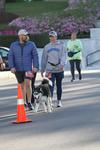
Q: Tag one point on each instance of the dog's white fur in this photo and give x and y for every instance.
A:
(45, 101)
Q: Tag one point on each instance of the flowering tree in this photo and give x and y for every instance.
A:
(63, 24)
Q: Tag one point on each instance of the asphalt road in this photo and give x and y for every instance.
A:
(76, 126)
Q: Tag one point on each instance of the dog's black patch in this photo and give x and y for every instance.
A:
(43, 88)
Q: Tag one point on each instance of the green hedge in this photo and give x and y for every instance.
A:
(40, 40)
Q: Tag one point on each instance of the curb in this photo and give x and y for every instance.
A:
(6, 75)
(9, 75)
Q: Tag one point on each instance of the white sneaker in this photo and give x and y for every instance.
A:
(59, 104)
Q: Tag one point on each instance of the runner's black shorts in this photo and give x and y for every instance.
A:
(20, 76)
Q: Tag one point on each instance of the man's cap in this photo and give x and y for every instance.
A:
(22, 32)
(53, 33)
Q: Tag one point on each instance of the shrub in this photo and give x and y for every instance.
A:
(40, 40)
(6, 40)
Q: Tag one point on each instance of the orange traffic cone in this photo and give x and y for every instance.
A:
(21, 114)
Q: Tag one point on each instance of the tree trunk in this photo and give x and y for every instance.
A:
(2, 6)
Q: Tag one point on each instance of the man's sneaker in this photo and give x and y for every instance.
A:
(59, 104)
(30, 106)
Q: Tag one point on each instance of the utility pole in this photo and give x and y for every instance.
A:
(2, 7)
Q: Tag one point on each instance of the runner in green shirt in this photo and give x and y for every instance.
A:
(74, 48)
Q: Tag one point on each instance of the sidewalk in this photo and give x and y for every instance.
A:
(8, 75)
(78, 119)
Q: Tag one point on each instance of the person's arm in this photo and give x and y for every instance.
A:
(35, 59)
(11, 59)
(79, 45)
(63, 56)
(43, 61)
(1, 63)
(69, 46)
(66, 45)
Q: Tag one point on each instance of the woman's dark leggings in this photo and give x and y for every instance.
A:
(72, 67)
(58, 78)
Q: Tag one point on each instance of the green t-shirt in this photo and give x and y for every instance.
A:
(75, 46)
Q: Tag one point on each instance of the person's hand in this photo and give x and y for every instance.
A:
(2, 66)
(48, 75)
(34, 70)
(13, 70)
(29, 74)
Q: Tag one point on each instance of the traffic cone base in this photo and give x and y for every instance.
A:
(26, 121)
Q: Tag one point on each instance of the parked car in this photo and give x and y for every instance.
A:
(4, 53)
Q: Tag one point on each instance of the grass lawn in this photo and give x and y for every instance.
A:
(35, 8)
(38, 8)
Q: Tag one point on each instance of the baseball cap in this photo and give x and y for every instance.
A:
(22, 32)
(52, 33)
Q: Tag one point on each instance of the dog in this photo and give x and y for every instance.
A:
(42, 96)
